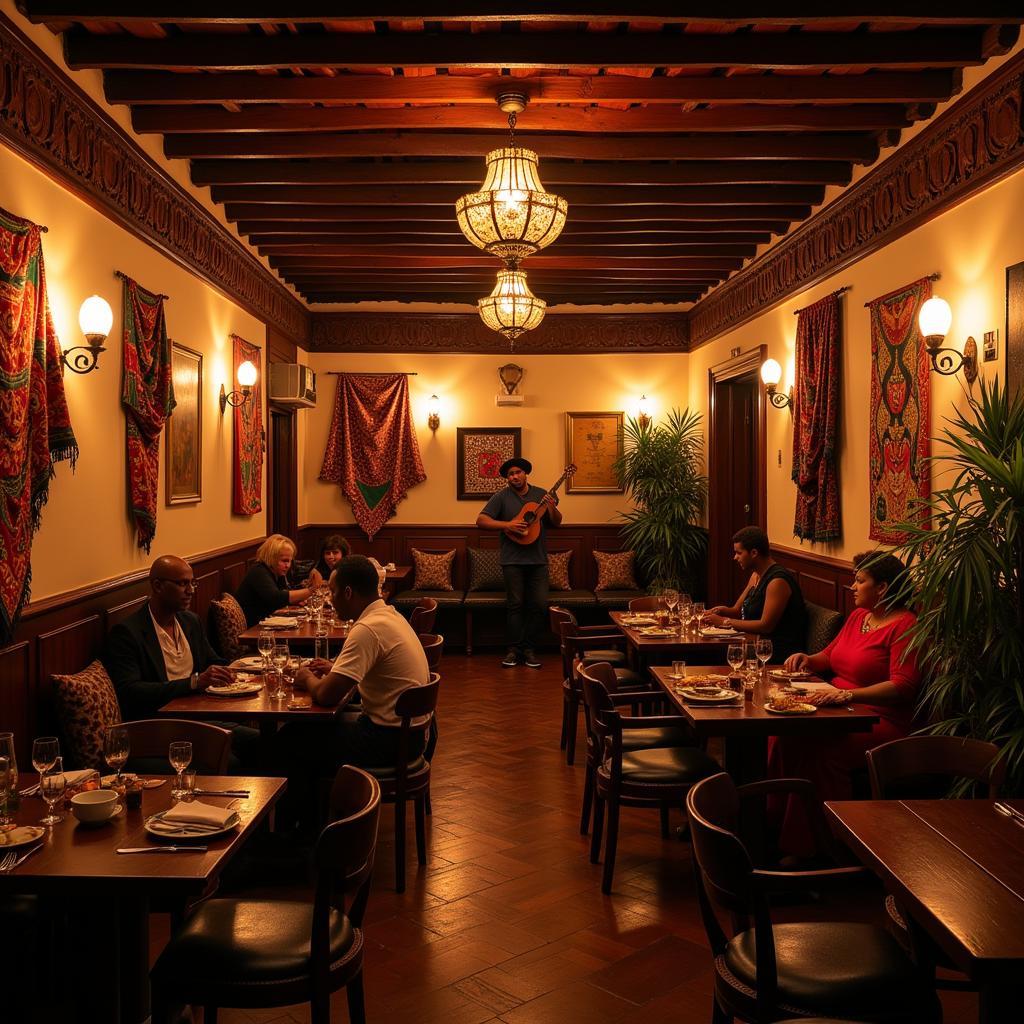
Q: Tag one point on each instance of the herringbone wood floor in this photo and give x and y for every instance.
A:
(507, 921)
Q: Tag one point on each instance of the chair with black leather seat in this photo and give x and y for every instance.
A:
(423, 616)
(409, 779)
(254, 954)
(627, 776)
(150, 738)
(807, 969)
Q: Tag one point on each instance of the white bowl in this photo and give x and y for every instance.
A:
(94, 805)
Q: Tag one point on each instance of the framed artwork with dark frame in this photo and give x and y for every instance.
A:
(1015, 328)
(593, 441)
(480, 451)
(183, 483)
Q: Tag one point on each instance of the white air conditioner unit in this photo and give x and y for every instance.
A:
(292, 384)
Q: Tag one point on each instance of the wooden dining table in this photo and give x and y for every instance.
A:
(745, 726)
(301, 636)
(956, 867)
(687, 646)
(107, 897)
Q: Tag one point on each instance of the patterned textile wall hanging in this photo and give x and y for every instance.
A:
(247, 491)
(372, 452)
(147, 396)
(35, 428)
(816, 420)
(900, 411)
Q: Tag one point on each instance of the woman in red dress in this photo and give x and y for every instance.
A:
(870, 663)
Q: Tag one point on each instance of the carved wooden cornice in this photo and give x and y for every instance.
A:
(46, 117)
(977, 141)
(561, 333)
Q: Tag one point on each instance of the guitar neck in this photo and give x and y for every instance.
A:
(558, 483)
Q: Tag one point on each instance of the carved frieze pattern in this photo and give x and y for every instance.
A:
(46, 117)
(977, 141)
(563, 333)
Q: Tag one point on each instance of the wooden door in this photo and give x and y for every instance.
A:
(736, 466)
(283, 473)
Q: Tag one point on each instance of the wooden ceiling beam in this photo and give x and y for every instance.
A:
(485, 277)
(625, 299)
(598, 239)
(161, 87)
(925, 48)
(611, 261)
(760, 231)
(864, 117)
(610, 246)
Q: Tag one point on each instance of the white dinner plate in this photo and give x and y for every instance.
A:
(718, 631)
(722, 697)
(239, 689)
(13, 836)
(781, 673)
(796, 709)
(253, 663)
(178, 831)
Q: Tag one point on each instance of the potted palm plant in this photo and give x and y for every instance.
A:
(967, 577)
(660, 471)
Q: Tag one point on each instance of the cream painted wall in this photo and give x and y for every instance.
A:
(971, 246)
(466, 385)
(86, 535)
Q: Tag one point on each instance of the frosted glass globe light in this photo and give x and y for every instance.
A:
(246, 374)
(935, 318)
(771, 372)
(95, 318)
(511, 309)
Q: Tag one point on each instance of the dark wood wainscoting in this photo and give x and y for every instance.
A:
(65, 632)
(823, 580)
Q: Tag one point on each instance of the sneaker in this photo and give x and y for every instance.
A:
(511, 659)
(531, 660)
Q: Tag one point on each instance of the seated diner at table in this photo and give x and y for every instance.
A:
(265, 587)
(771, 604)
(333, 549)
(870, 662)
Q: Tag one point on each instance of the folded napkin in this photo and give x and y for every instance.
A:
(71, 779)
(277, 621)
(197, 813)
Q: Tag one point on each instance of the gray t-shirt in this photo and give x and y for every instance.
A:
(505, 506)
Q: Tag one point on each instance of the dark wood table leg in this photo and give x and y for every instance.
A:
(133, 922)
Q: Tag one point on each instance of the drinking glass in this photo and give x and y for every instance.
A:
(699, 612)
(685, 613)
(734, 655)
(678, 669)
(279, 659)
(179, 753)
(45, 750)
(265, 645)
(116, 748)
(672, 600)
(7, 750)
(5, 791)
(763, 650)
(52, 784)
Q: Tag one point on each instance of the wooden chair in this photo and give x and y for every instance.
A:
(645, 604)
(630, 775)
(765, 971)
(150, 737)
(433, 648)
(409, 778)
(256, 954)
(423, 616)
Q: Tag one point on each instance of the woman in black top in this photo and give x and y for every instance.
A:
(332, 551)
(265, 587)
(771, 605)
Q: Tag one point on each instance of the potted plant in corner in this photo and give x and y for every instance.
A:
(967, 578)
(660, 471)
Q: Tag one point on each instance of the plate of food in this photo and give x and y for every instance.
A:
(787, 704)
(658, 631)
(12, 836)
(781, 673)
(639, 620)
(719, 631)
(252, 663)
(278, 622)
(239, 688)
(708, 696)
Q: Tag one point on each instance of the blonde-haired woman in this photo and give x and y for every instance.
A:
(265, 587)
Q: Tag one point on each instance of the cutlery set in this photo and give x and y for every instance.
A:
(162, 849)
(13, 859)
(1010, 812)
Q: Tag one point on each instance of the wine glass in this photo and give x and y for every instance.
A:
(52, 784)
(116, 747)
(763, 650)
(279, 659)
(672, 600)
(264, 645)
(7, 750)
(699, 611)
(45, 750)
(734, 655)
(5, 791)
(179, 753)
(685, 612)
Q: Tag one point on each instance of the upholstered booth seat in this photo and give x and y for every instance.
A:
(616, 600)
(445, 598)
(485, 599)
(573, 598)
(664, 766)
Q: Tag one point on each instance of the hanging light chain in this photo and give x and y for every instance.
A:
(512, 129)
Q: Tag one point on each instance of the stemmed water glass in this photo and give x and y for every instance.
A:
(5, 791)
(45, 750)
(265, 645)
(685, 612)
(52, 784)
(763, 651)
(671, 598)
(279, 658)
(7, 751)
(179, 753)
(699, 612)
(116, 747)
(734, 655)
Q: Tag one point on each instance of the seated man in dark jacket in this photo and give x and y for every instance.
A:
(162, 652)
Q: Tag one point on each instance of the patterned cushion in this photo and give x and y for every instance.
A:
(558, 570)
(485, 569)
(433, 569)
(86, 705)
(823, 626)
(228, 623)
(615, 570)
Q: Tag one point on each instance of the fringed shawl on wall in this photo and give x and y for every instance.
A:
(247, 486)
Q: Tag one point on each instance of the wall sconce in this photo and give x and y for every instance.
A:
(95, 318)
(771, 374)
(434, 412)
(643, 413)
(246, 379)
(934, 321)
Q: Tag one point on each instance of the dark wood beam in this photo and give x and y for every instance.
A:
(609, 246)
(610, 261)
(864, 117)
(161, 87)
(468, 175)
(484, 277)
(926, 48)
(684, 230)
(582, 298)
(598, 239)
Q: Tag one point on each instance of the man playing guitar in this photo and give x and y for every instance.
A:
(524, 566)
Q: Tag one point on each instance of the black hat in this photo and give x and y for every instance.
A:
(517, 463)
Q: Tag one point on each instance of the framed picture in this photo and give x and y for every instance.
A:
(480, 451)
(593, 440)
(1014, 328)
(184, 431)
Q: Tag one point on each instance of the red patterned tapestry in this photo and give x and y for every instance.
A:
(372, 452)
(147, 395)
(247, 490)
(35, 428)
(816, 420)
(900, 417)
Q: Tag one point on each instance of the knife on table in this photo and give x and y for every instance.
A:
(162, 849)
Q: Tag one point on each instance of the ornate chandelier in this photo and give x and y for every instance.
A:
(511, 308)
(511, 216)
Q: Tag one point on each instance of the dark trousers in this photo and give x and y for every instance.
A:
(526, 594)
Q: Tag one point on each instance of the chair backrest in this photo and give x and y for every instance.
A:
(560, 617)
(644, 604)
(211, 745)
(424, 615)
(923, 767)
(823, 625)
(597, 703)
(433, 648)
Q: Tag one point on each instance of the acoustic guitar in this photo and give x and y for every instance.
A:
(532, 511)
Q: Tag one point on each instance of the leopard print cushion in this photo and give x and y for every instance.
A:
(485, 569)
(86, 704)
(558, 570)
(615, 571)
(433, 569)
(228, 625)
